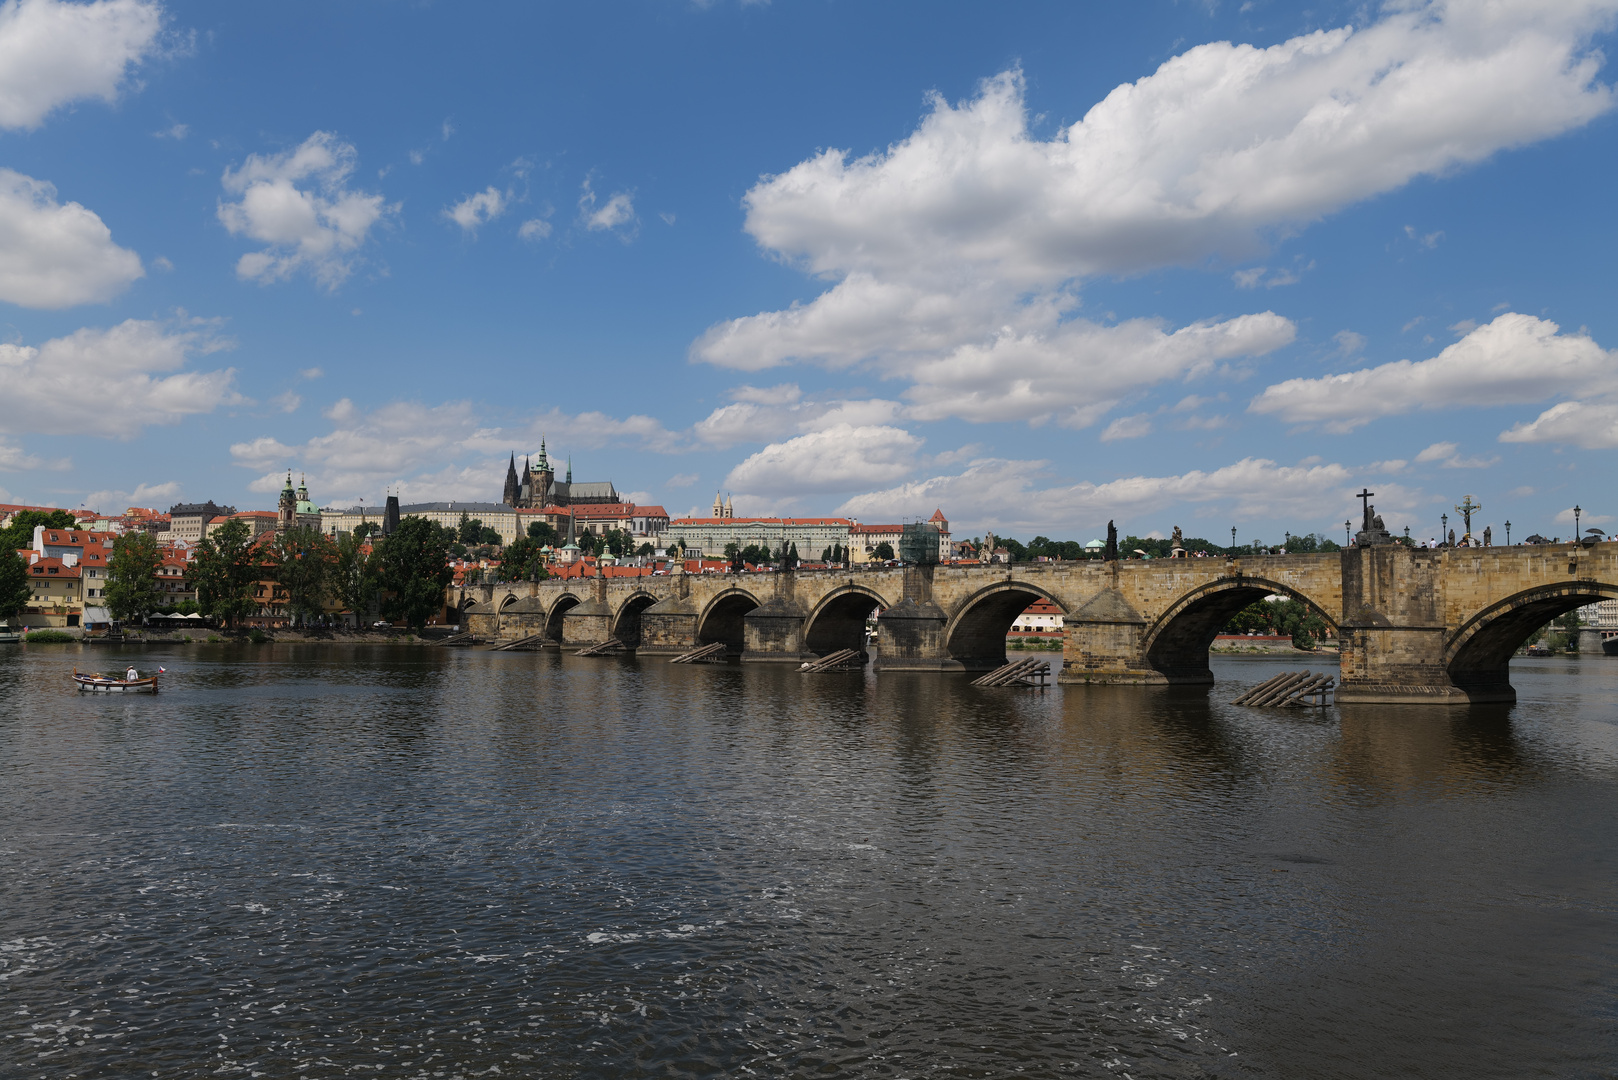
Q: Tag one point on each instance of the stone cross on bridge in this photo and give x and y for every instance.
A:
(1413, 625)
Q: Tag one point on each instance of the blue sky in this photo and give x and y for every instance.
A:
(1041, 265)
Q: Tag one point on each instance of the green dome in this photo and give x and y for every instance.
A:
(307, 507)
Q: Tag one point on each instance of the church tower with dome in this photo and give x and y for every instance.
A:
(295, 511)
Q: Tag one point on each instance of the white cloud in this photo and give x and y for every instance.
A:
(618, 211)
(1348, 342)
(316, 227)
(53, 53)
(1514, 359)
(55, 255)
(756, 419)
(781, 394)
(15, 459)
(1002, 494)
(155, 496)
(1437, 452)
(836, 458)
(1448, 456)
(478, 209)
(1078, 371)
(1128, 427)
(310, 373)
(1218, 144)
(123, 368)
(1591, 425)
(173, 131)
(1566, 517)
(681, 480)
(287, 402)
(971, 232)
(534, 229)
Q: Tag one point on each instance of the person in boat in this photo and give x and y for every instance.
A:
(131, 675)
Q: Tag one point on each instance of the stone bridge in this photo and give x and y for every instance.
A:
(1413, 625)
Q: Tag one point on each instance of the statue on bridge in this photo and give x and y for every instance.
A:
(1466, 510)
(1177, 544)
(1372, 530)
(1488, 536)
(1111, 552)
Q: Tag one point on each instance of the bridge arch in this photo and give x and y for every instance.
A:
(510, 598)
(975, 634)
(555, 619)
(1478, 654)
(626, 621)
(1176, 643)
(721, 619)
(838, 620)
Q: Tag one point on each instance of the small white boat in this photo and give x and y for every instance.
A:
(113, 684)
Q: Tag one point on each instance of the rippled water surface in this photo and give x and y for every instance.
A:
(413, 862)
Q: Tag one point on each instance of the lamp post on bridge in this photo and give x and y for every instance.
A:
(1576, 512)
(1345, 533)
(1443, 530)
(1233, 539)
(1508, 532)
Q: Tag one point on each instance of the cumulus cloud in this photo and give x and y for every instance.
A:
(754, 420)
(55, 255)
(618, 212)
(112, 500)
(971, 233)
(478, 209)
(1217, 145)
(123, 368)
(53, 53)
(15, 459)
(534, 229)
(1005, 495)
(1514, 359)
(299, 203)
(1592, 425)
(1128, 427)
(1076, 372)
(835, 458)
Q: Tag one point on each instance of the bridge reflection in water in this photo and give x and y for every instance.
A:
(1414, 626)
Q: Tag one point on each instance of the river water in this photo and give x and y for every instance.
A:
(325, 861)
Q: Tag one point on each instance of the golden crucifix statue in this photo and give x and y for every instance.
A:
(1466, 510)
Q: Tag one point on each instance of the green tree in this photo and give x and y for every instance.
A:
(353, 576)
(132, 576)
(544, 532)
(15, 592)
(20, 533)
(524, 560)
(224, 570)
(884, 551)
(414, 570)
(645, 548)
(302, 558)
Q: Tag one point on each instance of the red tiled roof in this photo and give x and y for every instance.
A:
(44, 568)
(863, 530)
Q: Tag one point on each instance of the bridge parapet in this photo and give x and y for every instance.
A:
(1413, 625)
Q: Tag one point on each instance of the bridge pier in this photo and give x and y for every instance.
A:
(1103, 643)
(910, 635)
(1392, 636)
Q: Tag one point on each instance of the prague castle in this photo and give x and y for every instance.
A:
(537, 487)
